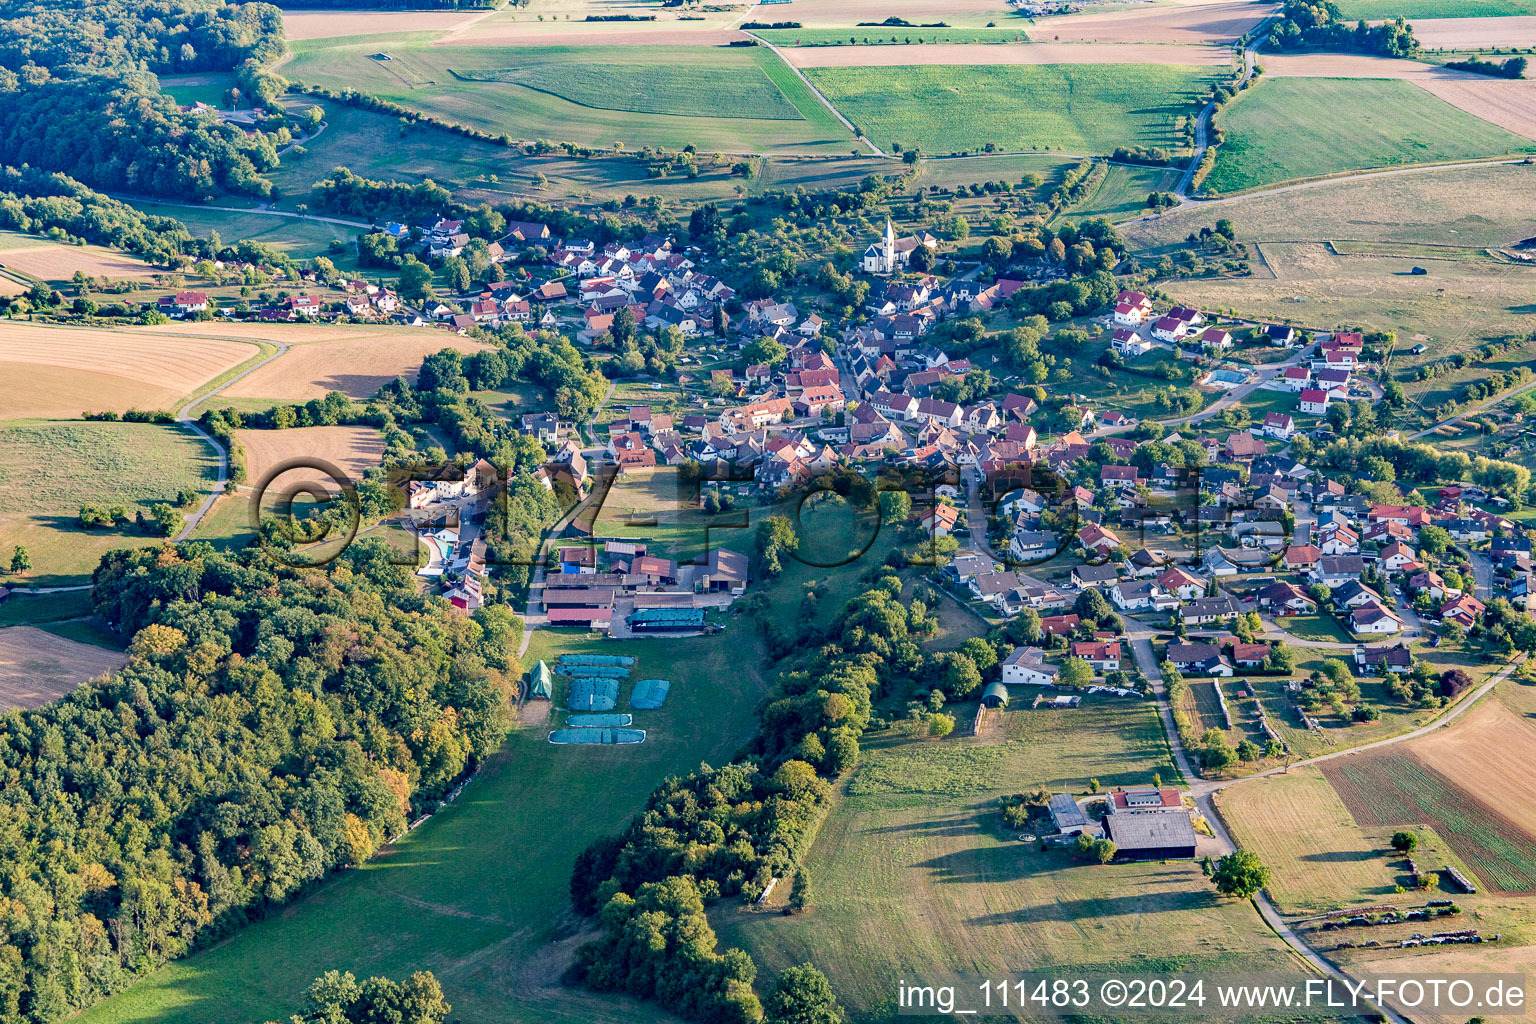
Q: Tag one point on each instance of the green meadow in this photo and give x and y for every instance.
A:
(1076, 108)
(732, 99)
(1288, 128)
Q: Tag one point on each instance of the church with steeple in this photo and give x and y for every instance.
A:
(891, 254)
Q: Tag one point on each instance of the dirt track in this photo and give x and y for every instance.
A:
(1203, 21)
(902, 55)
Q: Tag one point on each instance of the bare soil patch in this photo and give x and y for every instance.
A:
(901, 55)
(63, 371)
(1202, 21)
(351, 449)
(1475, 33)
(355, 364)
(339, 24)
(54, 262)
(37, 667)
(1510, 104)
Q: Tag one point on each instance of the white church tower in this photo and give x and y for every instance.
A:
(880, 257)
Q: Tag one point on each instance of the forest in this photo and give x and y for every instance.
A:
(271, 725)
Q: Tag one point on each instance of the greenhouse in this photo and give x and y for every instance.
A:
(597, 736)
(649, 694)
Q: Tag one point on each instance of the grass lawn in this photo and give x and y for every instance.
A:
(48, 469)
(301, 239)
(1317, 627)
(913, 875)
(205, 87)
(1471, 206)
(21, 610)
(1348, 124)
(1077, 108)
(478, 894)
(1381, 10)
(1123, 193)
(730, 99)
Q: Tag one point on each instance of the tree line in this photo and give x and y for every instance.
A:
(269, 727)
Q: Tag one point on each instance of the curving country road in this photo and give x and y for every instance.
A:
(184, 419)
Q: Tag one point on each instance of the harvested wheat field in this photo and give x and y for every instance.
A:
(1474, 33)
(37, 667)
(1203, 21)
(1509, 104)
(1297, 824)
(65, 371)
(1498, 958)
(356, 364)
(963, 54)
(343, 24)
(51, 261)
(532, 33)
(350, 449)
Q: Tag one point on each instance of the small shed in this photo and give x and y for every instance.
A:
(995, 696)
(541, 683)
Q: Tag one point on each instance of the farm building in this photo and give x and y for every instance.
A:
(1067, 816)
(995, 696)
(541, 683)
(1166, 835)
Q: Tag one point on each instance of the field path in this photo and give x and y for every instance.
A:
(184, 418)
(821, 96)
(263, 208)
(1203, 121)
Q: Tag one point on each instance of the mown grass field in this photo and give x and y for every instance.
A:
(1288, 128)
(1380, 10)
(478, 894)
(1123, 192)
(1474, 206)
(914, 877)
(49, 469)
(378, 146)
(730, 99)
(1454, 308)
(301, 239)
(1077, 108)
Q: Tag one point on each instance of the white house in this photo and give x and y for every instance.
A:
(1374, 619)
(1026, 666)
(1314, 402)
(1279, 425)
(1129, 344)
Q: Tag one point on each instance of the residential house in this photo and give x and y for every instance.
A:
(1103, 655)
(1374, 619)
(1313, 402)
(1026, 666)
(1198, 659)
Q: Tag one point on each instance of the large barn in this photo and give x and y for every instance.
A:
(1167, 835)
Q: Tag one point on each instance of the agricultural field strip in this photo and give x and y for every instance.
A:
(37, 666)
(959, 54)
(165, 360)
(1397, 789)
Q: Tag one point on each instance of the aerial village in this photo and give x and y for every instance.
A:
(1124, 563)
